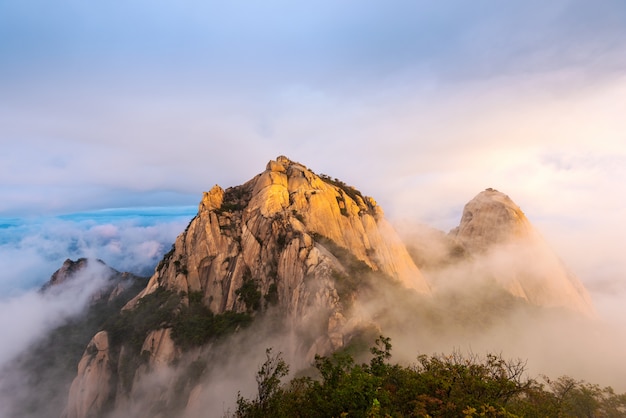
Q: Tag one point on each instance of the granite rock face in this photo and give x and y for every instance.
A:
(92, 389)
(267, 228)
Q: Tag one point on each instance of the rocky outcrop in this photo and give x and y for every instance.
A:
(91, 390)
(491, 218)
(503, 242)
(266, 229)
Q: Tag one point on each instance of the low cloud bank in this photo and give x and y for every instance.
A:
(132, 240)
(29, 316)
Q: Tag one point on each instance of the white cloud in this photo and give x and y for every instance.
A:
(26, 317)
(31, 250)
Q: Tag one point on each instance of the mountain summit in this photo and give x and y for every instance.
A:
(491, 218)
(270, 230)
(495, 231)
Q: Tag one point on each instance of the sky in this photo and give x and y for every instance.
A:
(420, 104)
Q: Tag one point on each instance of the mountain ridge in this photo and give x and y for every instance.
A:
(297, 249)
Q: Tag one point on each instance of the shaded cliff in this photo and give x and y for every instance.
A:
(36, 383)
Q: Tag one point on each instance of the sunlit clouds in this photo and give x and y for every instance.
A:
(422, 106)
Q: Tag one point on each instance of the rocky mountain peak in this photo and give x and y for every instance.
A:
(499, 237)
(267, 227)
(491, 218)
(67, 271)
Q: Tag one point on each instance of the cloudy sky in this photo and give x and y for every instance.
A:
(420, 104)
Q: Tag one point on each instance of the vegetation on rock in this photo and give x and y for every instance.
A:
(249, 293)
(196, 325)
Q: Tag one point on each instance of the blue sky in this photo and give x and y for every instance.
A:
(420, 104)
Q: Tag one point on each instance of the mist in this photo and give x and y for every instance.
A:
(26, 321)
(478, 314)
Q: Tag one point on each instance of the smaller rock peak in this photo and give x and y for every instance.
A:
(212, 199)
(490, 218)
(68, 270)
(283, 164)
(283, 160)
(275, 166)
(491, 194)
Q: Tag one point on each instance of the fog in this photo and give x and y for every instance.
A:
(553, 340)
(28, 316)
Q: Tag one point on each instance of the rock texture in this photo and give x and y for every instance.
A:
(91, 391)
(268, 226)
(495, 231)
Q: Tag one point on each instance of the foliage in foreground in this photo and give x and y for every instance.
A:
(436, 386)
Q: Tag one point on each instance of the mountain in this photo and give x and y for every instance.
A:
(289, 242)
(36, 383)
(306, 263)
(496, 233)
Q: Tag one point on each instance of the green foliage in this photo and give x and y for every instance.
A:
(268, 378)
(166, 258)
(272, 295)
(230, 207)
(353, 265)
(153, 311)
(196, 325)
(249, 293)
(381, 352)
(235, 199)
(358, 273)
(437, 386)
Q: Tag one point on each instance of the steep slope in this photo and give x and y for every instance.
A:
(497, 234)
(36, 383)
(288, 241)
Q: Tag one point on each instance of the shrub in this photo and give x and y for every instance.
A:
(196, 325)
(249, 293)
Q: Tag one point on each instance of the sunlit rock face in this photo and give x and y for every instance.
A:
(506, 247)
(267, 228)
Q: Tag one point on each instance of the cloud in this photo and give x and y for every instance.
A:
(131, 240)
(28, 316)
